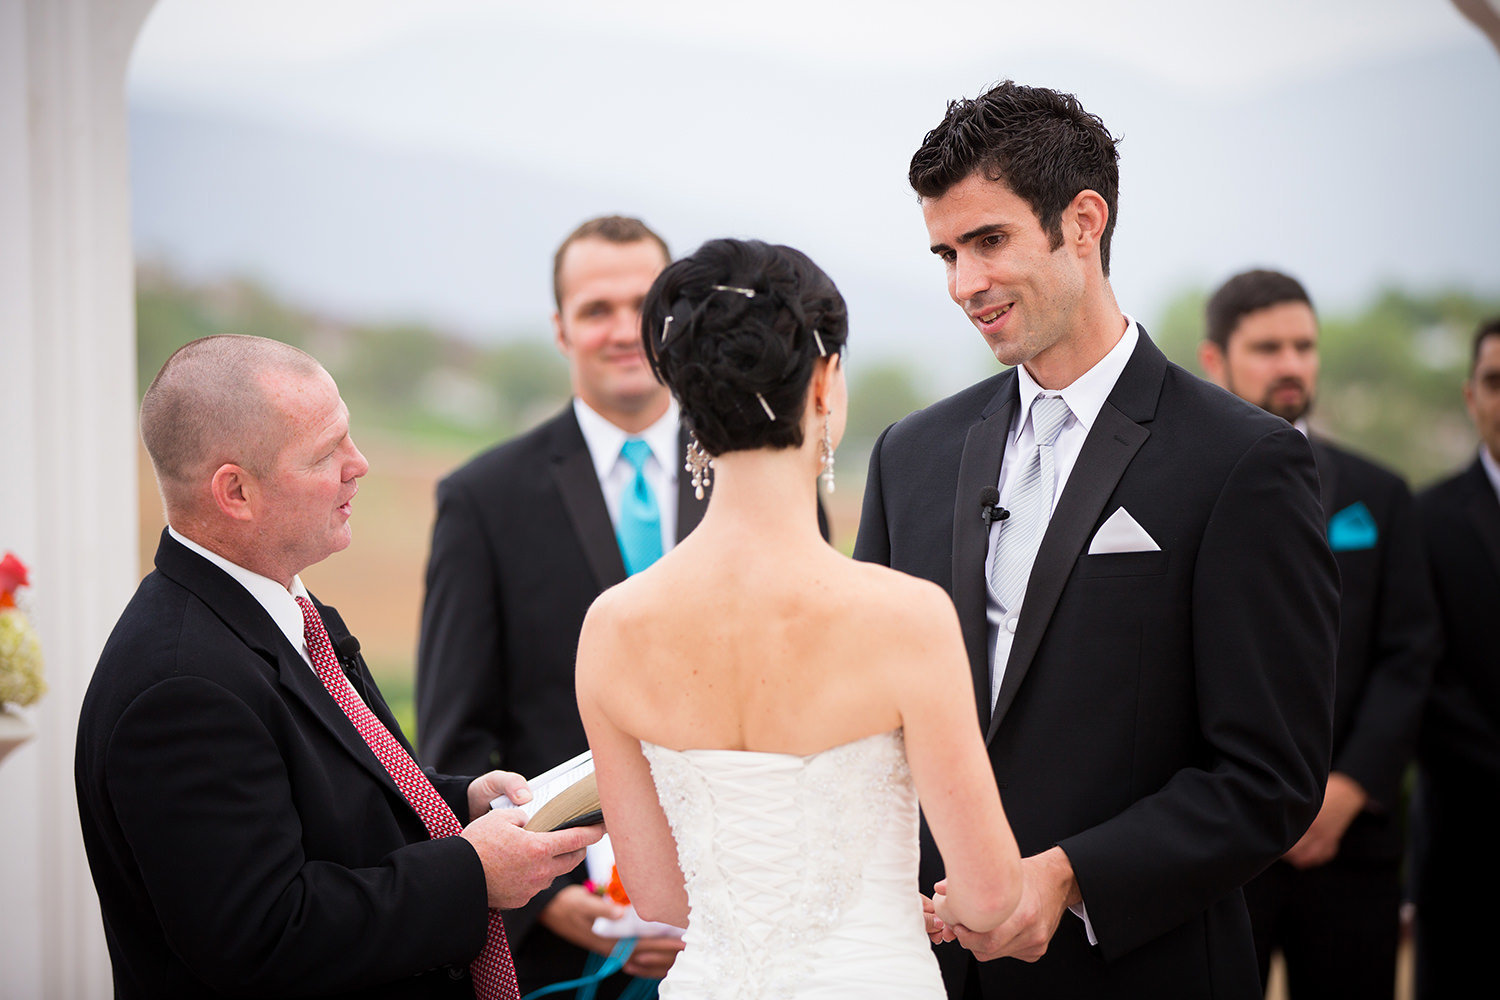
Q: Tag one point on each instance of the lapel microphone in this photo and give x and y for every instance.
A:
(347, 649)
(989, 506)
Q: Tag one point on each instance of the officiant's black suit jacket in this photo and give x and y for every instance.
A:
(521, 546)
(1165, 716)
(243, 838)
(1458, 866)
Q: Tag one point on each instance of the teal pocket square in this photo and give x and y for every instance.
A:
(1352, 528)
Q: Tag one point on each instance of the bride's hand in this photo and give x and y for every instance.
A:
(937, 930)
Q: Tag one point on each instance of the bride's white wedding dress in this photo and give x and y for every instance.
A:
(801, 872)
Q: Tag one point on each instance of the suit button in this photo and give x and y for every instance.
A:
(457, 972)
(1010, 625)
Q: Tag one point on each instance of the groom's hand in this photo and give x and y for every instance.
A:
(1047, 889)
(937, 930)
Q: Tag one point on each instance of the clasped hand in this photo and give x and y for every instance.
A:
(518, 863)
(1047, 890)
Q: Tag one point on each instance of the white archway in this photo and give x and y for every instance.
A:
(67, 444)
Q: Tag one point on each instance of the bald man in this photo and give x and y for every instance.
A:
(253, 819)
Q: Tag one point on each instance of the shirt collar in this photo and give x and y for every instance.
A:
(1491, 467)
(1086, 396)
(279, 602)
(604, 439)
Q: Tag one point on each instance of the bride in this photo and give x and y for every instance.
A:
(764, 712)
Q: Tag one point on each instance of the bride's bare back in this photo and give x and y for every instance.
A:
(733, 645)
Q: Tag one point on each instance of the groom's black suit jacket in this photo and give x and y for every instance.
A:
(1164, 716)
(244, 839)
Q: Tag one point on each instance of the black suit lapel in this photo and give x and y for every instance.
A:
(304, 684)
(1328, 476)
(984, 449)
(689, 508)
(244, 615)
(578, 484)
(1107, 452)
(359, 675)
(1483, 510)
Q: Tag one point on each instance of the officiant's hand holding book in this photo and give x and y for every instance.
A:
(562, 797)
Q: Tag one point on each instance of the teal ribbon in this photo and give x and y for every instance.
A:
(596, 969)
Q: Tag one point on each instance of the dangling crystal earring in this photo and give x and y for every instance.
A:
(826, 455)
(699, 462)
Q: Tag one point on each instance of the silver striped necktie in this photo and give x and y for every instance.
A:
(1030, 507)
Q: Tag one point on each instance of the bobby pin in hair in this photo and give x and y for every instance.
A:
(822, 351)
(766, 406)
(748, 293)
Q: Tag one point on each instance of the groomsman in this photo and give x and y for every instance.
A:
(1331, 905)
(526, 536)
(1457, 870)
(1154, 686)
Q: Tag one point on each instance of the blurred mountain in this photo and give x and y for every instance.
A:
(1368, 175)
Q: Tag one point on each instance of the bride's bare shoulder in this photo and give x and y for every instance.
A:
(899, 599)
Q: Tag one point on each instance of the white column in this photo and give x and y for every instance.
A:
(67, 444)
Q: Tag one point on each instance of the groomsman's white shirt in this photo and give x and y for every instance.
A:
(604, 441)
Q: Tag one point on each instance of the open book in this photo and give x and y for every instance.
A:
(561, 797)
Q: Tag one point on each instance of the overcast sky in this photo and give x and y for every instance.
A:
(1221, 47)
(794, 120)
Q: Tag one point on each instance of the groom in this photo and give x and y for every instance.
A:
(1153, 676)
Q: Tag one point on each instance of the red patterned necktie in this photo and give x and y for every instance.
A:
(494, 972)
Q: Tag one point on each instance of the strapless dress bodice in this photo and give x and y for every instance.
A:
(801, 872)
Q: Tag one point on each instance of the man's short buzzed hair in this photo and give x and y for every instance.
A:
(1245, 293)
(208, 406)
(1040, 143)
(1488, 328)
(611, 229)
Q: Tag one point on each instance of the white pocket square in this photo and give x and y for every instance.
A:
(1121, 533)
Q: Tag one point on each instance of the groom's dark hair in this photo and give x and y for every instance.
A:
(734, 330)
(1040, 143)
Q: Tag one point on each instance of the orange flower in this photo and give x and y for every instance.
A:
(616, 889)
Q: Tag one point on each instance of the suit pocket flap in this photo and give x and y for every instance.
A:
(1122, 564)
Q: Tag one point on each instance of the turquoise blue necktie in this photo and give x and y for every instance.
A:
(640, 519)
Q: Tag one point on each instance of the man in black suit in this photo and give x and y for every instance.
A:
(1332, 904)
(253, 819)
(527, 535)
(1154, 687)
(1457, 869)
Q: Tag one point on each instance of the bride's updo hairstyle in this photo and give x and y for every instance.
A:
(734, 330)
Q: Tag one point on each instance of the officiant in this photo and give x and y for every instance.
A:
(252, 815)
